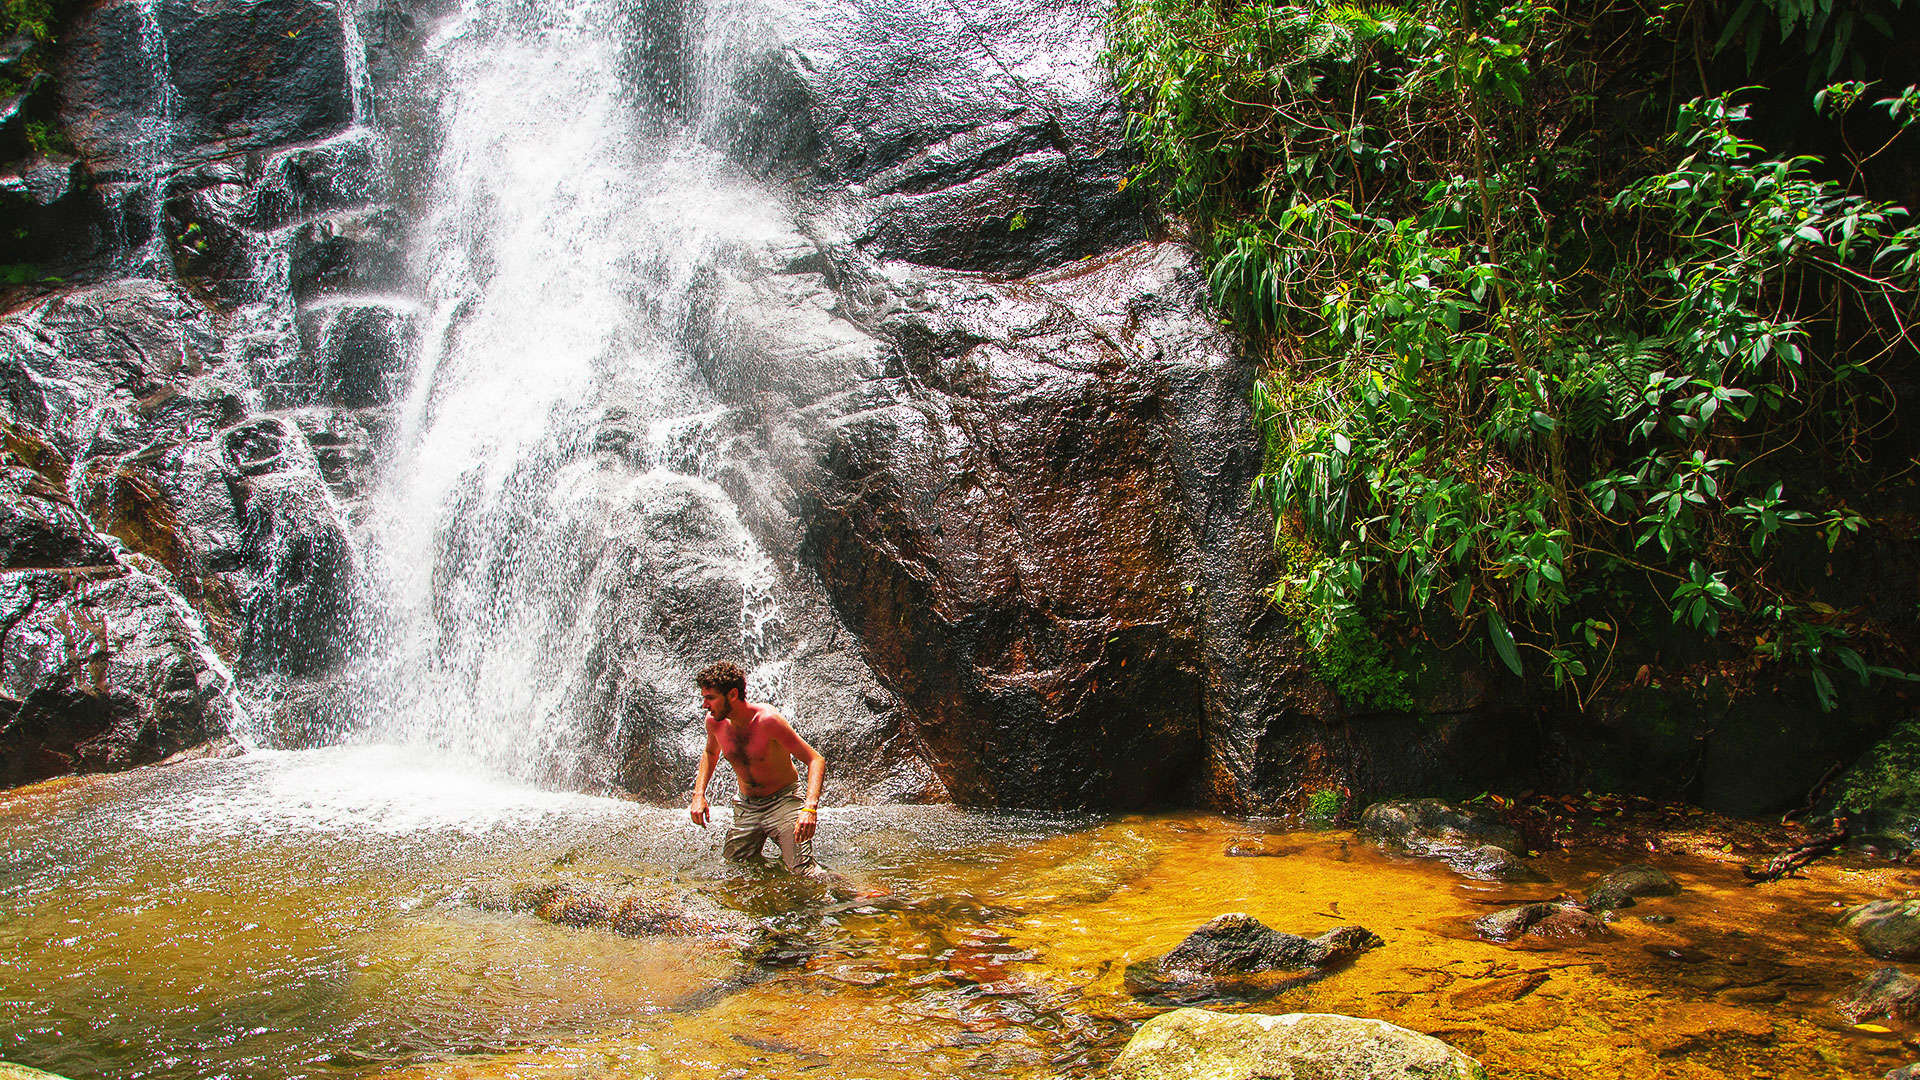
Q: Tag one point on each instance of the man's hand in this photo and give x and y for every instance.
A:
(698, 810)
(803, 827)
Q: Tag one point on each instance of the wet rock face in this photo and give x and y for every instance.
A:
(1191, 1043)
(1019, 531)
(40, 526)
(973, 135)
(240, 76)
(131, 444)
(100, 672)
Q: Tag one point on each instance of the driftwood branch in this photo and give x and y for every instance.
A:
(1786, 863)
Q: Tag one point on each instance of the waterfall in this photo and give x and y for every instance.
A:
(546, 472)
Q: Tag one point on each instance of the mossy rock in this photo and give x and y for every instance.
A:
(1881, 792)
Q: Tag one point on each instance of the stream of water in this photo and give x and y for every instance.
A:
(351, 913)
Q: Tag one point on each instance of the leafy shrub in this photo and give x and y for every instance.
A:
(1553, 387)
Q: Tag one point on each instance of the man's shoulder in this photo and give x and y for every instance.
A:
(769, 714)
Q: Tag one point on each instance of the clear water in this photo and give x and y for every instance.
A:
(335, 914)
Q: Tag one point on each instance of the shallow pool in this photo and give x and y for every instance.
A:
(340, 913)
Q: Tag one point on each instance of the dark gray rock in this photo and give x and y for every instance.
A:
(360, 350)
(298, 609)
(1887, 994)
(101, 671)
(1236, 955)
(1550, 919)
(240, 76)
(41, 528)
(1625, 886)
(1888, 929)
(974, 135)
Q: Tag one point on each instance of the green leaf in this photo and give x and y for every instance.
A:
(1502, 639)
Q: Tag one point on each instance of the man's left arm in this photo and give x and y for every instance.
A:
(816, 779)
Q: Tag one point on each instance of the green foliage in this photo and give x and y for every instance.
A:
(35, 18)
(1824, 30)
(1323, 804)
(1344, 646)
(1502, 389)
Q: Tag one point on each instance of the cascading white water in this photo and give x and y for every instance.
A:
(556, 413)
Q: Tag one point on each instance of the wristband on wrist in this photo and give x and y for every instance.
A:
(815, 811)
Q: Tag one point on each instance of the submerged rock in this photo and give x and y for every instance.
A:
(1546, 919)
(629, 914)
(1629, 884)
(1888, 993)
(1233, 954)
(1888, 929)
(1196, 1044)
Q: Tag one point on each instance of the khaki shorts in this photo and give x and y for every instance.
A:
(754, 820)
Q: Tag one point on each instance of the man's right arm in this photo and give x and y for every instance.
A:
(710, 757)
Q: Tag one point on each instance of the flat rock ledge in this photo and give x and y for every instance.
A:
(1198, 1044)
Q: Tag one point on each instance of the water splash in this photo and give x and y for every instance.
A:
(547, 536)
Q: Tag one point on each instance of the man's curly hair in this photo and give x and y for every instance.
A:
(722, 677)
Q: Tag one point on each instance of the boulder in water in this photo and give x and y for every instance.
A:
(1545, 919)
(1490, 863)
(1888, 993)
(1888, 929)
(1430, 826)
(1471, 841)
(1624, 887)
(1236, 955)
(1197, 1044)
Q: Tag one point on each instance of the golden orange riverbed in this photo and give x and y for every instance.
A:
(314, 915)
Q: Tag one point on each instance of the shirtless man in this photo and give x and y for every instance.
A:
(760, 746)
